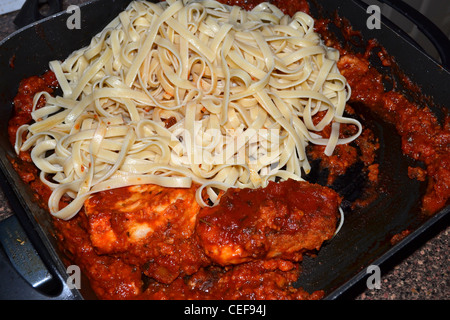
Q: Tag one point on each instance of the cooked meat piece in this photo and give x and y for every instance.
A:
(137, 216)
(157, 229)
(282, 220)
(147, 226)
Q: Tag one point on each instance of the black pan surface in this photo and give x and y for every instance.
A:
(364, 237)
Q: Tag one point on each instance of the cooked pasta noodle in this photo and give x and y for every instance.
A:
(239, 88)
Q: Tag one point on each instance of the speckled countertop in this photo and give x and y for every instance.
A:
(421, 272)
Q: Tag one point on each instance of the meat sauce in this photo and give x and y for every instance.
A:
(424, 138)
(111, 277)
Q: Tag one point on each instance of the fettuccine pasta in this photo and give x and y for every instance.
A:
(182, 92)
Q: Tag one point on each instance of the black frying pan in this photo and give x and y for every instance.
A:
(339, 266)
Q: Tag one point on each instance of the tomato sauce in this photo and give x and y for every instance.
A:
(23, 102)
(424, 138)
(242, 282)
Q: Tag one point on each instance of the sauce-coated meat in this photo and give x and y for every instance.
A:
(291, 217)
(147, 226)
(279, 221)
(139, 215)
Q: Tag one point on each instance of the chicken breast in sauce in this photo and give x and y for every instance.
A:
(280, 221)
(139, 215)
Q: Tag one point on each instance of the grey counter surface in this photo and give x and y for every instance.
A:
(421, 273)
